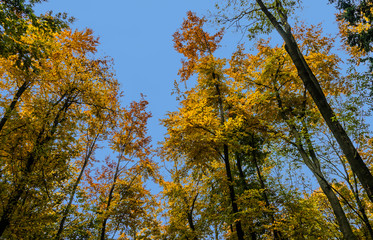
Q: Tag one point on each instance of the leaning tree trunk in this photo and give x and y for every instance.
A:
(68, 206)
(277, 235)
(314, 165)
(310, 159)
(12, 106)
(313, 87)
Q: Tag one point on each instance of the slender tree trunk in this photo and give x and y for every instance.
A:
(190, 217)
(67, 209)
(241, 172)
(277, 235)
(339, 213)
(232, 195)
(110, 198)
(361, 208)
(314, 165)
(310, 159)
(312, 85)
(17, 96)
(11, 206)
(365, 218)
(216, 232)
(243, 182)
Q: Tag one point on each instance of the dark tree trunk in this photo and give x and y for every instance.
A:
(339, 213)
(67, 209)
(245, 186)
(190, 216)
(232, 195)
(11, 207)
(310, 159)
(276, 234)
(312, 85)
(110, 198)
(17, 96)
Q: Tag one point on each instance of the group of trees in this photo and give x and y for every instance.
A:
(252, 117)
(60, 105)
(245, 149)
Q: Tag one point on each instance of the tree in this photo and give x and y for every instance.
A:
(38, 139)
(275, 95)
(274, 14)
(122, 202)
(198, 46)
(94, 133)
(199, 143)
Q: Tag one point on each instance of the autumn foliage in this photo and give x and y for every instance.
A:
(247, 154)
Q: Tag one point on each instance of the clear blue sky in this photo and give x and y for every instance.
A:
(138, 35)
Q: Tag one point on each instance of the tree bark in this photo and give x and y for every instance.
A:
(313, 163)
(245, 187)
(277, 235)
(232, 195)
(190, 217)
(339, 213)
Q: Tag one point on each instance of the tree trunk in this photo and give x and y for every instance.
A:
(190, 217)
(13, 104)
(361, 208)
(365, 219)
(310, 159)
(11, 207)
(245, 186)
(67, 209)
(110, 198)
(313, 164)
(277, 235)
(339, 213)
(232, 195)
(312, 85)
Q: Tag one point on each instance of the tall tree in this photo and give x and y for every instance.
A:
(272, 84)
(274, 14)
(118, 187)
(38, 140)
(94, 133)
(198, 46)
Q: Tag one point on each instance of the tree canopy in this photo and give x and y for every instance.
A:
(271, 141)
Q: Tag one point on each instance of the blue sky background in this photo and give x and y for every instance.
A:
(137, 34)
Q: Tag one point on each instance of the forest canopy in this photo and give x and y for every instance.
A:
(271, 141)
